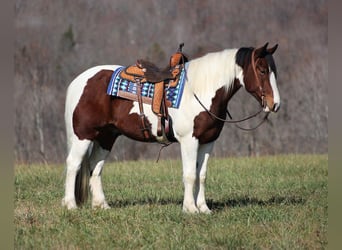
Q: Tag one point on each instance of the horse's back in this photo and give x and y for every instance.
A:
(80, 81)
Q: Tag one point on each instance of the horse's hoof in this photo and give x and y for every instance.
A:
(204, 209)
(190, 210)
(69, 204)
(101, 205)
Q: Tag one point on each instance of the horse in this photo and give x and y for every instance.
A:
(94, 119)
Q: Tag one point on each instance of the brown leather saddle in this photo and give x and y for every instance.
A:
(145, 71)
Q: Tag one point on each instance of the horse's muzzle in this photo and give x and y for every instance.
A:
(274, 108)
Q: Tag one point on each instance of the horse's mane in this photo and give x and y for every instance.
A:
(244, 54)
(212, 71)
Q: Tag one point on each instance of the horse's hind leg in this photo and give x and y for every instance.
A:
(97, 160)
(202, 160)
(75, 157)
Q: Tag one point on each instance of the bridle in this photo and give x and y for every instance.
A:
(263, 103)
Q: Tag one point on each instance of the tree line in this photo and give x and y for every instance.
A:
(55, 41)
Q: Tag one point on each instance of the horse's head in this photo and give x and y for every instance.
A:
(259, 76)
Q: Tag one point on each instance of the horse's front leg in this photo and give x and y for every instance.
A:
(202, 160)
(189, 146)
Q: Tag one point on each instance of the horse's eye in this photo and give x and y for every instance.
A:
(262, 71)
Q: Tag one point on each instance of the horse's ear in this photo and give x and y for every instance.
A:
(262, 51)
(272, 50)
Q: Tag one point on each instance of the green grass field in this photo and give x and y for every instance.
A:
(277, 202)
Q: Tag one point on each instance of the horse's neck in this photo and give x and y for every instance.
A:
(213, 71)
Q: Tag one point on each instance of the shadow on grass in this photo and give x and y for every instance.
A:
(148, 201)
(252, 201)
(214, 205)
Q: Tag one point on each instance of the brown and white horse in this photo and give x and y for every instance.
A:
(94, 120)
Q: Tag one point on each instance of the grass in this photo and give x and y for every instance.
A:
(277, 202)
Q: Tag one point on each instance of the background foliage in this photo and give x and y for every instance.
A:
(57, 40)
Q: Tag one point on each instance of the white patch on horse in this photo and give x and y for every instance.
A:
(276, 96)
(239, 75)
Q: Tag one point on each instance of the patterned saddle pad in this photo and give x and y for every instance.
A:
(122, 88)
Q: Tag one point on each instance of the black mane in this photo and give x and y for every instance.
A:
(243, 56)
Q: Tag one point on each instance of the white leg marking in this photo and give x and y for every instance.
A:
(189, 146)
(202, 160)
(97, 160)
(74, 160)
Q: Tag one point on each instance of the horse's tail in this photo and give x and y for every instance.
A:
(82, 181)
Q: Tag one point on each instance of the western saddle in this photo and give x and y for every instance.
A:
(144, 71)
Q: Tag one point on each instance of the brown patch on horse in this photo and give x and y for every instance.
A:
(103, 118)
(207, 128)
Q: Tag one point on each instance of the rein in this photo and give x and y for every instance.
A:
(257, 126)
(234, 121)
(225, 120)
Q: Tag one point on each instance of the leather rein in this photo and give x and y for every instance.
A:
(248, 117)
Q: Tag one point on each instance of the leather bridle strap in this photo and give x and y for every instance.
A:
(253, 62)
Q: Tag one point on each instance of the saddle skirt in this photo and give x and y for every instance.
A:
(127, 89)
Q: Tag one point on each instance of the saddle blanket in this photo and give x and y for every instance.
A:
(173, 94)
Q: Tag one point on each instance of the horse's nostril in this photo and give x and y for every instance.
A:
(276, 107)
